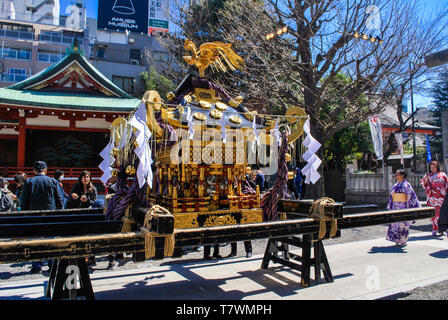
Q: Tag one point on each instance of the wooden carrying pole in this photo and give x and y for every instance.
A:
(103, 244)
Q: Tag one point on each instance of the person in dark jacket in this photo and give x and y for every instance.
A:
(260, 179)
(59, 176)
(298, 183)
(83, 194)
(40, 193)
(443, 217)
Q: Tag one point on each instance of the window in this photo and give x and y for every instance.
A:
(160, 56)
(17, 71)
(124, 83)
(12, 53)
(135, 56)
(14, 75)
(100, 52)
(48, 56)
(50, 36)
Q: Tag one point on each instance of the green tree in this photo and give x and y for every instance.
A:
(155, 81)
(347, 145)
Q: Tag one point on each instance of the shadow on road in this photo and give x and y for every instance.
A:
(426, 227)
(390, 249)
(396, 296)
(428, 237)
(441, 254)
(192, 285)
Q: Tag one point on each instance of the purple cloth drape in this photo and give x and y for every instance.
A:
(125, 195)
(270, 199)
(121, 190)
(246, 188)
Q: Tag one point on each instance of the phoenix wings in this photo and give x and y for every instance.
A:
(216, 54)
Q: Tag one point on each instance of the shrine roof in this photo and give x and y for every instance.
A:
(60, 100)
(71, 83)
(73, 56)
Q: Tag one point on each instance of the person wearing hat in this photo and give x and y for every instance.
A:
(41, 193)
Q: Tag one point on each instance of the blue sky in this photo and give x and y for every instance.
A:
(431, 7)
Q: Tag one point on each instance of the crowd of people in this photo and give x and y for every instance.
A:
(42, 192)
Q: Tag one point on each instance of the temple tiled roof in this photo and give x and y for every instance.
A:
(389, 120)
(72, 83)
(59, 100)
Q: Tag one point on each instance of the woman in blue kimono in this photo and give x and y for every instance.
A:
(402, 196)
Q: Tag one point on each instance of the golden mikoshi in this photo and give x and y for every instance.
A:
(200, 192)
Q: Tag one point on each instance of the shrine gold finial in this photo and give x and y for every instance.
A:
(217, 54)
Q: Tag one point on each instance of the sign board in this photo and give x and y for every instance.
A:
(158, 12)
(122, 15)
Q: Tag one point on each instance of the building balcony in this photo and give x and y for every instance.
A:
(59, 39)
(18, 54)
(49, 57)
(17, 35)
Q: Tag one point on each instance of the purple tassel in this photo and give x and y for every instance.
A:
(122, 189)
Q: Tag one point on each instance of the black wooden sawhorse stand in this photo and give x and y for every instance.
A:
(308, 241)
(62, 283)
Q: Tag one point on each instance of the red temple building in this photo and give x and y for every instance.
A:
(61, 115)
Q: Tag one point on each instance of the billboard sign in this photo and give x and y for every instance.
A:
(158, 11)
(122, 15)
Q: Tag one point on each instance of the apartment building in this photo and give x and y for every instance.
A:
(27, 48)
(29, 44)
(38, 11)
(122, 56)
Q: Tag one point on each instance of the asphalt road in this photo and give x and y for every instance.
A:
(439, 291)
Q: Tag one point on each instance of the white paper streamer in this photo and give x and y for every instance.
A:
(143, 151)
(107, 163)
(313, 162)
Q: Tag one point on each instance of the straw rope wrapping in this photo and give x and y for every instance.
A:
(127, 221)
(150, 237)
(318, 214)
